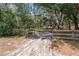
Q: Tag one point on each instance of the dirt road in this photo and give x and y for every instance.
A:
(35, 47)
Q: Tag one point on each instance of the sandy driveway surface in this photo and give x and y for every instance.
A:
(35, 47)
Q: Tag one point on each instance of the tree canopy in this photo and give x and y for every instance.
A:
(15, 18)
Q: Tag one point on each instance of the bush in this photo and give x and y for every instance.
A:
(5, 30)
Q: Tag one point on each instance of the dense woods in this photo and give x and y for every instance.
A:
(16, 19)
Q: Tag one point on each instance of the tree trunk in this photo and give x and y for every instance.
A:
(69, 25)
(76, 23)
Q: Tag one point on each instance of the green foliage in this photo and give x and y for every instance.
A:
(15, 18)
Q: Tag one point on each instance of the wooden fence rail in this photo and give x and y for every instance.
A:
(66, 34)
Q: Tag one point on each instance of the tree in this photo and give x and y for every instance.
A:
(71, 12)
(61, 12)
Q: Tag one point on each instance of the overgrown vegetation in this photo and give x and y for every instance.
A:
(17, 19)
